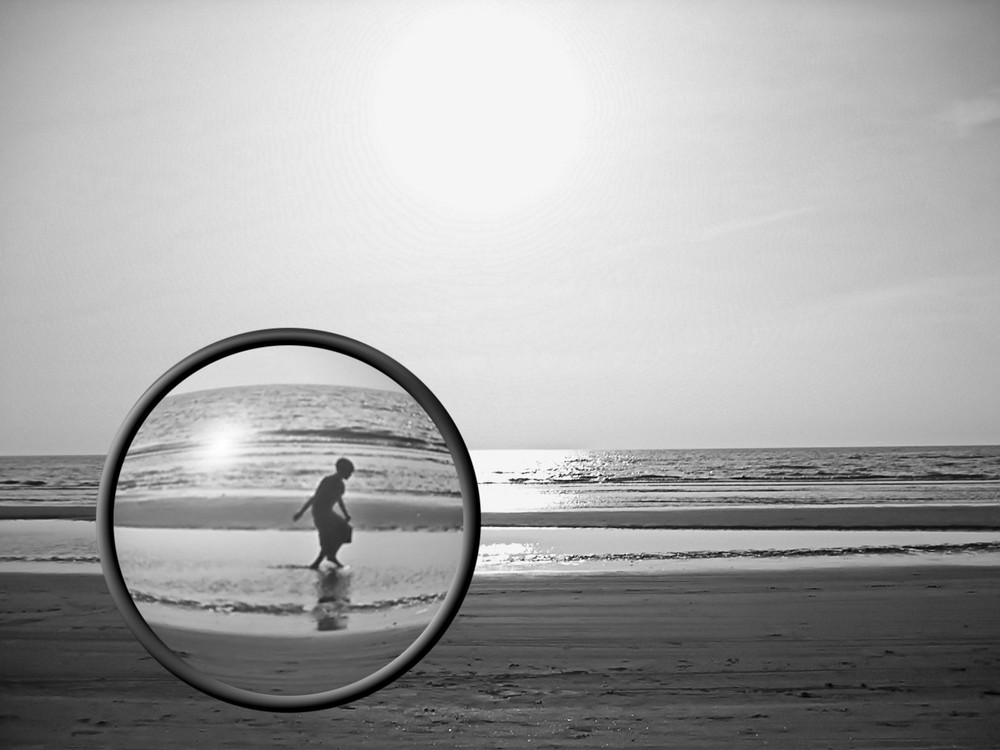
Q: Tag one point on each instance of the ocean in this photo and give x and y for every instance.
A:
(405, 568)
(805, 477)
(276, 440)
(204, 512)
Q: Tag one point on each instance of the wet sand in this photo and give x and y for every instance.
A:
(257, 513)
(874, 658)
(886, 518)
(48, 512)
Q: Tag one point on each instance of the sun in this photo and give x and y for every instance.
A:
(478, 109)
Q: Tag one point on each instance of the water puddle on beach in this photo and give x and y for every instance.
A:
(49, 545)
(258, 581)
(71, 546)
(592, 550)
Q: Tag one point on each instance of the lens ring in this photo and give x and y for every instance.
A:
(321, 340)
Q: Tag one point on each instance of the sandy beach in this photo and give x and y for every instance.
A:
(881, 657)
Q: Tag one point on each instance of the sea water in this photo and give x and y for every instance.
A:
(806, 477)
(206, 579)
(280, 440)
(596, 550)
(564, 480)
(52, 481)
(225, 464)
(519, 480)
(240, 580)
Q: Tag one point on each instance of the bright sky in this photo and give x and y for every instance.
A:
(273, 364)
(580, 223)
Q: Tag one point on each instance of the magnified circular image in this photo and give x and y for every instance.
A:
(289, 520)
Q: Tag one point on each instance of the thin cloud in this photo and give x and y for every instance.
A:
(754, 222)
(968, 115)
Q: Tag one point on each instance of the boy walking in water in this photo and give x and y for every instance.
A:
(334, 531)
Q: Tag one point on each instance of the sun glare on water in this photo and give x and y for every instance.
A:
(221, 443)
(478, 109)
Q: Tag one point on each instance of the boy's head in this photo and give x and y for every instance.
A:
(344, 468)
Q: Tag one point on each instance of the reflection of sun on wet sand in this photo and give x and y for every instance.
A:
(333, 591)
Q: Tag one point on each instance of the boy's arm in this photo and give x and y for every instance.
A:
(302, 510)
(343, 509)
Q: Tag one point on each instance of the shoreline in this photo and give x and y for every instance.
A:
(843, 657)
(40, 512)
(846, 517)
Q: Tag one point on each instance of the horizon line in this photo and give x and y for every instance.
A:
(598, 450)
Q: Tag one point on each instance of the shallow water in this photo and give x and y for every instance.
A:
(68, 545)
(204, 577)
(552, 480)
(546, 549)
(56, 541)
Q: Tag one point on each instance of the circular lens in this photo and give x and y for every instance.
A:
(288, 520)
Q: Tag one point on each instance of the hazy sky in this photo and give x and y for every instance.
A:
(580, 223)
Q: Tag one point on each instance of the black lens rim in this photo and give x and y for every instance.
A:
(472, 519)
